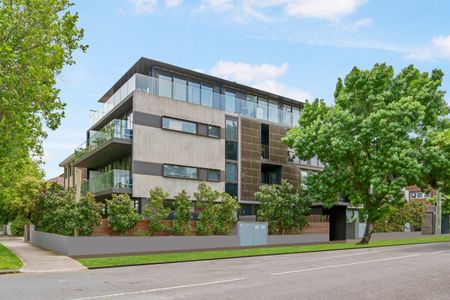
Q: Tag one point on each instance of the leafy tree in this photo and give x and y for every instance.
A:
(37, 39)
(18, 193)
(375, 139)
(205, 198)
(225, 214)
(155, 210)
(121, 213)
(283, 207)
(182, 214)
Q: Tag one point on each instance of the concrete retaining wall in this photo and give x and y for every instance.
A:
(55, 242)
(115, 245)
(297, 239)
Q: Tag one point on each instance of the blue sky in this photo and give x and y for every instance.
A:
(296, 48)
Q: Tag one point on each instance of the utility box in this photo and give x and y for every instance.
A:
(252, 233)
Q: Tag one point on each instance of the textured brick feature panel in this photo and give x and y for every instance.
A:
(250, 157)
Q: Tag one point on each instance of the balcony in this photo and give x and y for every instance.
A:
(115, 181)
(111, 142)
(202, 95)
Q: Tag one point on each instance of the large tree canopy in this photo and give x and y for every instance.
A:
(37, 38)
(378, 137)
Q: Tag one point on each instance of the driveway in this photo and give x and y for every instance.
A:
(37, 260)
(401, 272)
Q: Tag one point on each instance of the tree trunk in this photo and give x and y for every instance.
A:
(367, 233)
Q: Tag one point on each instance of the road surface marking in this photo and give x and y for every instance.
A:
(162, 289)
(345, 265)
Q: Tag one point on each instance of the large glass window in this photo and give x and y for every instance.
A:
(273, 112)
(207, 94)
(231, 172)
(213, 175)
(248, 106)
(230, 101)
(231, 130)
(180, 171)
(194, 92)
(213, 131)
(179, 125)
(231, 188)
(179, 88)
(287, 115)
(295, 115)
(165, 85)
(261, 112)
(231, 150)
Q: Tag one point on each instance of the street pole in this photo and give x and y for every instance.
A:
(438, 213)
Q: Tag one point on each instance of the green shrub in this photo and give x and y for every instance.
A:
(283, 207)
(155, 210)
(88, 215)
(225, 214)
(411, 212)
(121, 213)
(18, 224)
(56, 211)
(182, 214)
(205, 200)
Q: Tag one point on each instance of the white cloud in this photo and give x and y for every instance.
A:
(262, 76)
(353, 26)
(173, 3)
(322, 9)
(242, 72)
(143, 6)
(217, 5)
(438, 48)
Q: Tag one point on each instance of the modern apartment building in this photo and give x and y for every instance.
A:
(164, 126)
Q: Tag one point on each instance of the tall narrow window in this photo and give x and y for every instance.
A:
(231, 130)
(231, 172)
(194, 92)
(273, 112)
(261, 112)
(207, 94)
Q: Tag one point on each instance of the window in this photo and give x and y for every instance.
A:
(287, 114)
(180, 171)
(194, 92)
(207, 94)
(231, 188)
(179, 125)
(231, 150)
(230, 101)
(295, 115)
(165, 85)
(213, 131)
(179, 88)
(261, 112)
(248, 106)
(231, 172)
(231, 131)
(314, 161)
(273, 112)
(213, 175)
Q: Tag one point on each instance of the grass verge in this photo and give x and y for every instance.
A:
(115, 261)
(8, 260)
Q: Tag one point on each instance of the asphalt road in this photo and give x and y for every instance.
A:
(404, 272)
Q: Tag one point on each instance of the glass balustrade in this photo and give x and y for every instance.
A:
(106, 181)
(202, 94)
(114, 129)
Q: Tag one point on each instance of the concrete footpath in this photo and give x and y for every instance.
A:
(37, 260)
